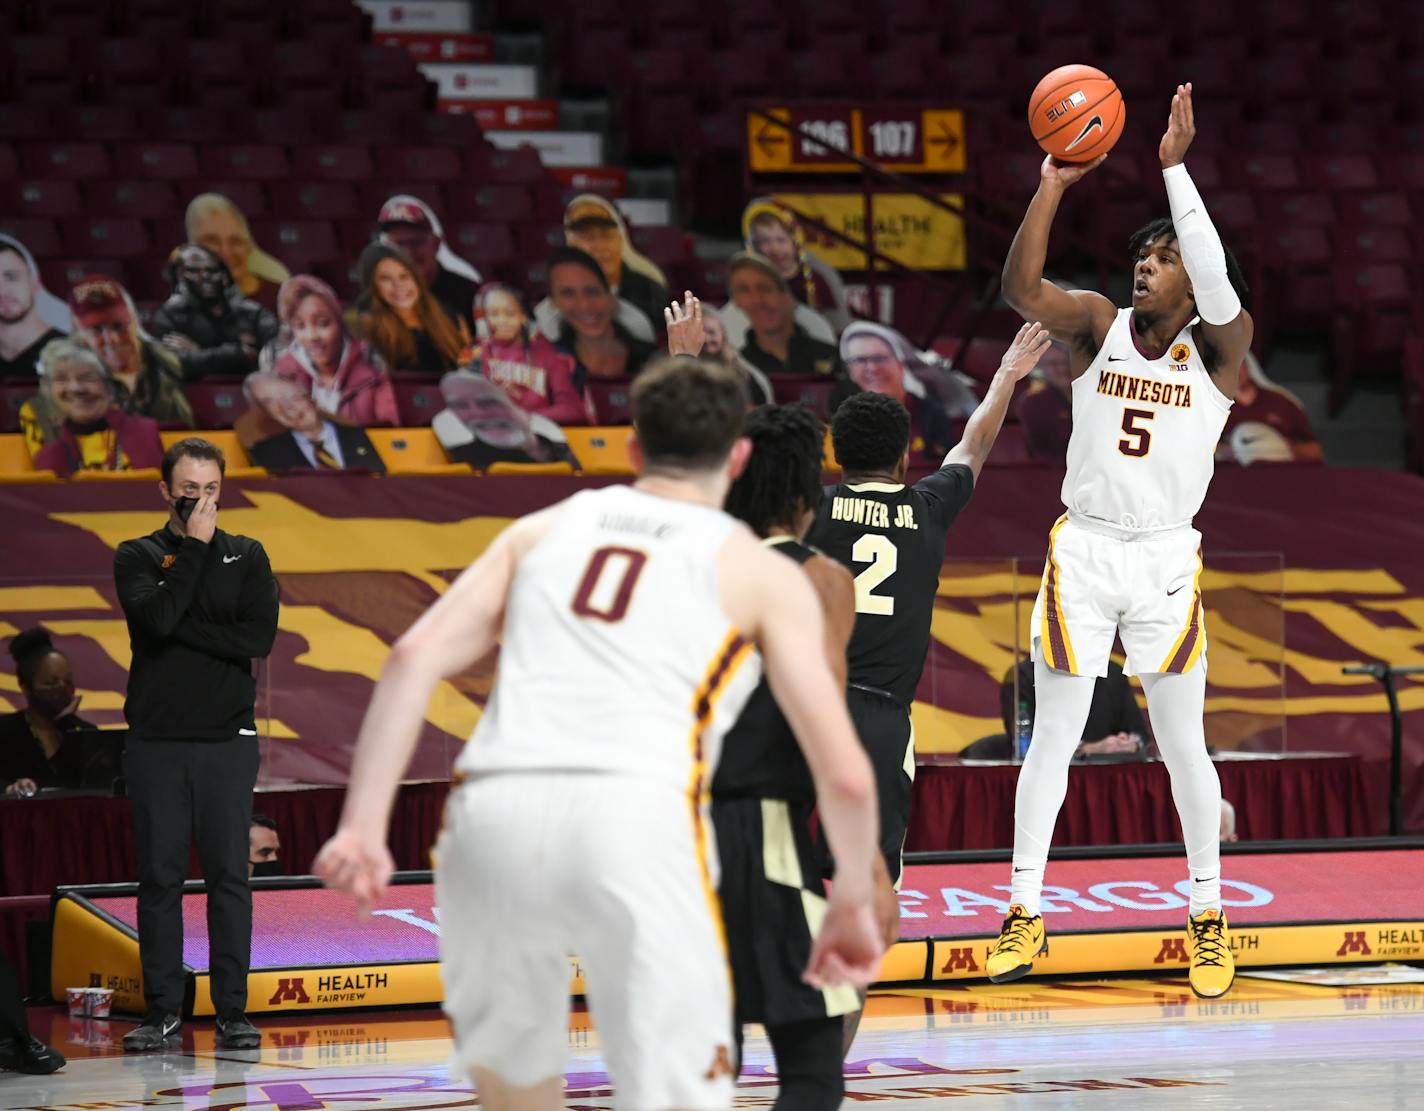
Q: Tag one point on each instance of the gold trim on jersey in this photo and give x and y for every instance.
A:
(1185, 652)
(730, 655)
(1053, 631)
(877, 487)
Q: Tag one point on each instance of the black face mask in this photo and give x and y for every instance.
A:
(267, 868)
(184, 508)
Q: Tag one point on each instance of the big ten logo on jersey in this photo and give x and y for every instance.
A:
(1180, 353)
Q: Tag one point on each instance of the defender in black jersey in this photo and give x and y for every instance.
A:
(892, 537)
(772, 886)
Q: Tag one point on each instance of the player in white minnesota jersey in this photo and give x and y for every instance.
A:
(1152, 387)
(628, 619)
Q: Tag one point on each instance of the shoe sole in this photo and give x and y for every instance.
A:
(1022, 970)
(240, 1043)
(1218, 995)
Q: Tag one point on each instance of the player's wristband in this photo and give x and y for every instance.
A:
(1202, 252)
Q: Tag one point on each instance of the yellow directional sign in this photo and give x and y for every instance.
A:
(908, 140)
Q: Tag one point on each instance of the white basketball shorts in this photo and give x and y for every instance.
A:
(532, 868)
(1097, 583)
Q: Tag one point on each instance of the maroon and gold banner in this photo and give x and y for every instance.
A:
(1307, 571)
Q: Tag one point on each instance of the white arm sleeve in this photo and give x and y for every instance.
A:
(1202, 253)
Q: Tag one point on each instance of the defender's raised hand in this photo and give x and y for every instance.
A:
(1181, 128)
(1023, 354)
(684, 326)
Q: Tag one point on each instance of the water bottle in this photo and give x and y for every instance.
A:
(1023, 732)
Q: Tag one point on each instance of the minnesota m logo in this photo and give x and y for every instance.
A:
(961, 959)
(1354, 943)
(289, 991)
(1173, 949)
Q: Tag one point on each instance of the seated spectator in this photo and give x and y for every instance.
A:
(881, 360)
(409, 223)
(1114, 722)
(309, 439)
(509, 351)
(718, 348)
(775, 343)
(206, 321)
(43, 744)
(397, 315)
(772, 231)
(594, 225)
(590, 329)
(92, 433)
(314, 350)
(148, 378)
(481, 426)
(264, 848)
(1266, 424)
(214, 222)
(30, 316)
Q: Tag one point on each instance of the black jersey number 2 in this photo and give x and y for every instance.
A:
(882, 556)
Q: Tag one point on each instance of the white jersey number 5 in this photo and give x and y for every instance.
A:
(880, 553)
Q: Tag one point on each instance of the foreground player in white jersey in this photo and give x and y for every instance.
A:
(628, 619)
(1151, 391)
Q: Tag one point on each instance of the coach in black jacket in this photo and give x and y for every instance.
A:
(201, 604)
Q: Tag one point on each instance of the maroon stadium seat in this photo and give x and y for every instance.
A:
(26, 121)
(664, 245)
(1389, 208)
(31, 199)
(40, 235)
(259, 162)
(60, 274)
(485, 245)
(418, 401)
(503, 203)
(492, 166)
(1357, 244)
(79, 161)
(419, 163)
(1265, 171)
(611, 401)
(215, 404)
(13, 396)
(168, 161)
(297, 240)
(332, 163)
(142, 200)
(814, 392)
(314, 200)
(1341, 172)
(105, 237)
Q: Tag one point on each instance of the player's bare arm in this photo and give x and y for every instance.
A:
(983, 427)
(1225, 328)
(450, 637)
(1079, 318)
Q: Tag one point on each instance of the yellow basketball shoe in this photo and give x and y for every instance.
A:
(1020, 940)
(1213, 967)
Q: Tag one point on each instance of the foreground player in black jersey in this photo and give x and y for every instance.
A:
(892, 537)
(762, 795)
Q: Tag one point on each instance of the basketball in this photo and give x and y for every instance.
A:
(1076, 113)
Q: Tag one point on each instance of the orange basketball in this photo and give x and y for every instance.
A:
(1076, 113)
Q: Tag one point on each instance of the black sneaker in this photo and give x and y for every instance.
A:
(29, 1055)
(151, 1033)
(235, 1032)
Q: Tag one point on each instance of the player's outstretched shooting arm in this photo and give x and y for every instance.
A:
(1079, 318)
(1225, 326)
(983, 427)
(450, 637)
